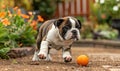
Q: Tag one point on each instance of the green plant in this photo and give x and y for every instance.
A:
(80, 18)
(45, 7)
(98, 15)
(106, 32)
(86, 31)
(103, 11)
(111, 7)
(15, 31)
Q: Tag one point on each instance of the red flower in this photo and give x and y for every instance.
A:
(25, 16)
(40, 18)
(2, 14)
(5, 22)
(103, 16)
(34, 25)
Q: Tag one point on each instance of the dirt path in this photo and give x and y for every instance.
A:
(101, 59)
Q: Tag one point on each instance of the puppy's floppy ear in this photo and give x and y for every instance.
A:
(58, 22)
(79, 23)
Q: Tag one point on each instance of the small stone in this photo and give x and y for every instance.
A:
(34, 63)
(47, 67)
(6, 69)
(72, 68)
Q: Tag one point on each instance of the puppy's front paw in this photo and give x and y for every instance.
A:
(68, 59)
(41, 56)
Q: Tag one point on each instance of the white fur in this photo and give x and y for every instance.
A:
(35, 57)
(44, 48)
(66, 54)
(48, 58)
(54, 37)
(68, 35)
(73, 22)
(53, 34)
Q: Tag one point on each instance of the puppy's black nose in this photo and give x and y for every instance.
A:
(74, 32)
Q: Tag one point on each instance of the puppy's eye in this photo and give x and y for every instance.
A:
(66, 28)
(78, 26)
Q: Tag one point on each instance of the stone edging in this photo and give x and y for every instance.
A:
(95, 43)
(20, 52)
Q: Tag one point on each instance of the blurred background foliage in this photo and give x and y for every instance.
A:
(101, 14)
(103, 11)
(45, 7)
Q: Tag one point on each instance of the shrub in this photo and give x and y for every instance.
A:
(16, 30)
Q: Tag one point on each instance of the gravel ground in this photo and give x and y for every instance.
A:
(101, 59)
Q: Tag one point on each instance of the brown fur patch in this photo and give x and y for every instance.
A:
(43, 30)
(63, 24)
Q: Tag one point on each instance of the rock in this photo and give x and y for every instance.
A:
(20, 52)
(34, 63)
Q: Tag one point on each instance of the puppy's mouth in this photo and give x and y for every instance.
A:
(74, 37)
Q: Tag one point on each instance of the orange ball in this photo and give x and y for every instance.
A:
(82, 60)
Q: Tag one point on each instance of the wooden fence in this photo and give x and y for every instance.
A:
(73, 8)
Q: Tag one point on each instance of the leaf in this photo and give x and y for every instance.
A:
(3, 52)
(3, 35)
(14, 61)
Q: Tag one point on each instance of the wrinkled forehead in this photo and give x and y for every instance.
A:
(70, 21)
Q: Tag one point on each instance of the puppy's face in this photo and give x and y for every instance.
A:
(69, 28)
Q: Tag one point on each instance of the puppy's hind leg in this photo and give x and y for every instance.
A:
(48, 58)
(35, 56)
(38, 43)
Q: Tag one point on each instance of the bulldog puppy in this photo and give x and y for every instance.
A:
(58, 34)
